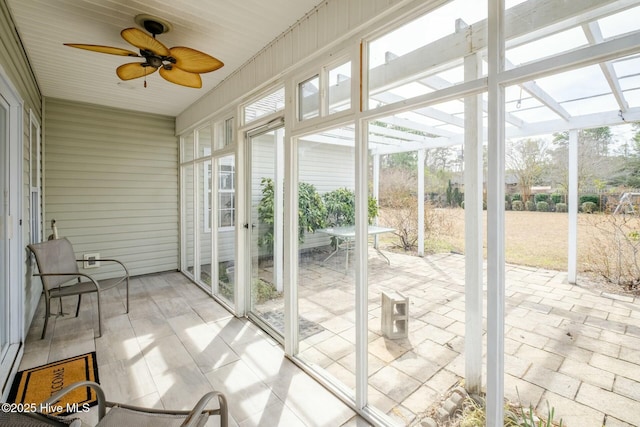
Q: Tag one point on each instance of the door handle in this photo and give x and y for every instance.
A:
(247, 226)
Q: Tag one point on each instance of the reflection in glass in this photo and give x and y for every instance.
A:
(340, 88)
(401, 63)
(266, 105)
(226, 246)
(309, 93)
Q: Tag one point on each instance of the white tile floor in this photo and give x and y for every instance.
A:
(574, 347)
(174, 346)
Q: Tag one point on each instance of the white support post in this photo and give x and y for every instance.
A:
(473, 229)
(495, 218)
(291, 338)
(376, 192)
(360, 262)
(572, 201)
(421, 156)
(278, 226)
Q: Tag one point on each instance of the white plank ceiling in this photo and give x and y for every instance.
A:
(232, 31)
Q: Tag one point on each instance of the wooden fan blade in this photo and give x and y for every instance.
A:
(103, 49)
(181, 77)
(194, 61)
(133, 70)
(142, 40)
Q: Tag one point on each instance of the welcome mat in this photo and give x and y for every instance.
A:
(34, 386)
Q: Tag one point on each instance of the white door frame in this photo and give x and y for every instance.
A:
(11, 196)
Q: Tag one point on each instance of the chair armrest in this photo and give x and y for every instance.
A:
(92, 385)
(192, 419)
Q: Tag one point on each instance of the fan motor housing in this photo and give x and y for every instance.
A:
(152, 24)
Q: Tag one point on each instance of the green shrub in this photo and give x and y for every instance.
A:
(561, 207)
(557, 198)
(340, 206)
(517, 205)
(542, 207)
(541, 198)
(529, 205)
(516, 196)
(593, 198)
(589, 207)
(311, 211)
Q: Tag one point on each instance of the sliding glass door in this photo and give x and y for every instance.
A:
(266, 148)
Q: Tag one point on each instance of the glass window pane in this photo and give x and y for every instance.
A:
(326, 270)
(204, 141)
(226, 192)
(425, 54)
(309, 98)
(340, 88)
(187, 147)
(203, 171)
(226, 247)
(224, 133)
(266, 105)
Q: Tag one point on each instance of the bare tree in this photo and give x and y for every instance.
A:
(527, 159)
(595, 164)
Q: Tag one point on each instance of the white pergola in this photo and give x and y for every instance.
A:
(568, 66)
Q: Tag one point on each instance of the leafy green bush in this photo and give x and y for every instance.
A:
(541, 198)
(561, 207)
(341, 207)
(517, 205)
(516, 196)
(529, 205)
(312, 213)
(589, 207)
(593, 198)
(557, 198)
(542, 207)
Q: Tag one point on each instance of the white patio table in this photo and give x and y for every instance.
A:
(346, 236)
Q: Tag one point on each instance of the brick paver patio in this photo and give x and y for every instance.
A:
(574, 347)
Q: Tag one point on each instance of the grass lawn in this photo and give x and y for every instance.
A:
(536, 239)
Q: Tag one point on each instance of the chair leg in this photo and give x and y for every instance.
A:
(47, 312)
(127, 294)
(78, 308)
(99, 316)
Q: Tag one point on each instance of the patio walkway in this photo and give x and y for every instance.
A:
(575, 347)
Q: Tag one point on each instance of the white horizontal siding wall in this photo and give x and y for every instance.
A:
(328, 168)
(111, 184)
(15, 64)
(327, 25)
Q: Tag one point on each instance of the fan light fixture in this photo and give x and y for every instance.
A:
(180, 65)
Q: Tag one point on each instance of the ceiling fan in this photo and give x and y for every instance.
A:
(179, 65)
